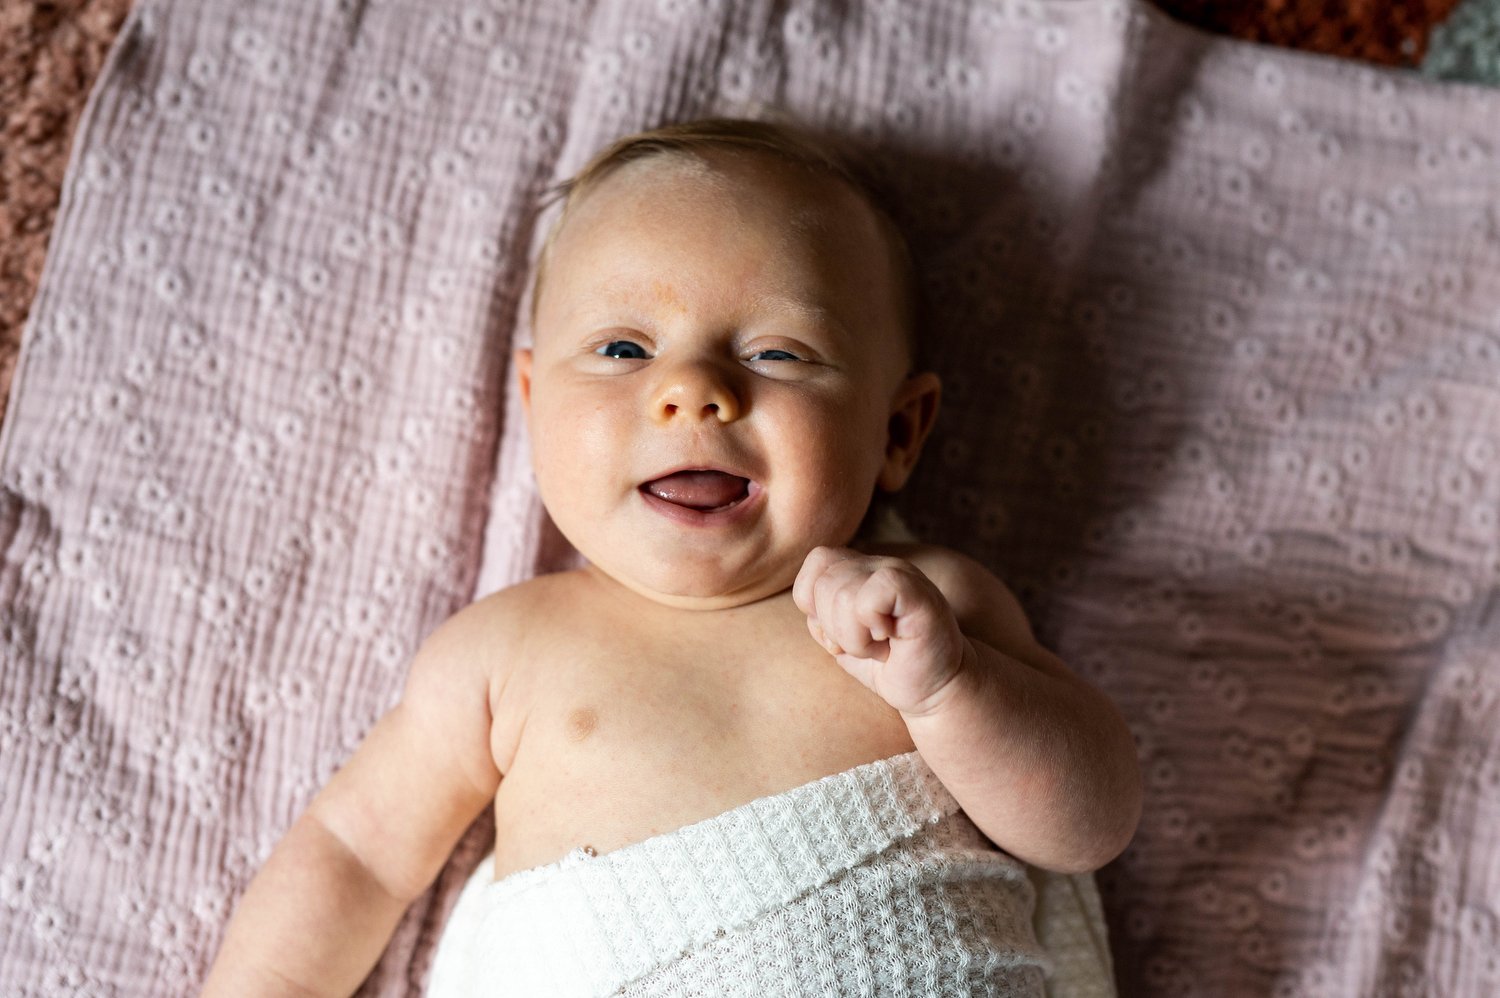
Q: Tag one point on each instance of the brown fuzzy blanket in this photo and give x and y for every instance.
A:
(50, 53)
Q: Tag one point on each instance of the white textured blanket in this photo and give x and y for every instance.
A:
(866, 882)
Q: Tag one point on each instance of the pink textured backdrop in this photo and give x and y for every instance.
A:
(1220, 350)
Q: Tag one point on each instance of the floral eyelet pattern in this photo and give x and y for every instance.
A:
(1219, 341)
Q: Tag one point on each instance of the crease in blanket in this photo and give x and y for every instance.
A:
(869, 881)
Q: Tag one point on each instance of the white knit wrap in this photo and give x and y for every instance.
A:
(867, 882)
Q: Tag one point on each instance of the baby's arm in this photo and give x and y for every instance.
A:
(1041, 761)
(319, 913)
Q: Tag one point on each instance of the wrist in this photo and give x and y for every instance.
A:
(939, 702)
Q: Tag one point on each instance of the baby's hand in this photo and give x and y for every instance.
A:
(884, 621)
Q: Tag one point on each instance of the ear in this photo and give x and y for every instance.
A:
(913, 412)
(521, 360)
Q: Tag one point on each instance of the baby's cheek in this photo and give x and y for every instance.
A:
(835, 509)
(853, 433)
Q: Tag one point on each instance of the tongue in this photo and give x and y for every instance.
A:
(699, 489)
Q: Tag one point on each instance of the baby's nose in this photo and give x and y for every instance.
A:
(696, 390)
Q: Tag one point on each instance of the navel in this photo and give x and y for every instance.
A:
(581, 723)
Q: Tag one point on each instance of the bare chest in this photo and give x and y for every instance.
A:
(618, 746)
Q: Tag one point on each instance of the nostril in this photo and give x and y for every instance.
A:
(707, 410)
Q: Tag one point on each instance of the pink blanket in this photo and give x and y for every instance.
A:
(1220, 332)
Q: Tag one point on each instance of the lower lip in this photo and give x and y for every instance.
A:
(688, 516)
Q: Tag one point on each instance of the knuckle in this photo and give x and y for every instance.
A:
(891, 576)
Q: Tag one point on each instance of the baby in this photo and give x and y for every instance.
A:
(722, 377)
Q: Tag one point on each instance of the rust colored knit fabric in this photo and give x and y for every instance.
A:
(1381, 31)
(51, 52)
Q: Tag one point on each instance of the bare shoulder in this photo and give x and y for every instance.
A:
(491, 629)
(485, 623)
(475, 660)
(488, 638)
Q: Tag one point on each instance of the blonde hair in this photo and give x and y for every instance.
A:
(784, 140)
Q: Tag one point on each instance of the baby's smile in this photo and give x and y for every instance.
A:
(707, 490)
(702, 496)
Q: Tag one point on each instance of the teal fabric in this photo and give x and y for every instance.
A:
(1467, 45)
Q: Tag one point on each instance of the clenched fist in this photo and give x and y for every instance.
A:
(884, 622)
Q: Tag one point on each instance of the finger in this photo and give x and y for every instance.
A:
(816, 630)
(848, 631)
(842, 638)
(884, 597)
(813, 567)
(894, 595)
(842, 569)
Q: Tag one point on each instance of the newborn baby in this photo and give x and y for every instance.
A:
(721, 380)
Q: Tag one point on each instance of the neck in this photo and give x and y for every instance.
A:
(711, 611)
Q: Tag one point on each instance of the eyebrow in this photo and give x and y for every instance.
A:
(607, 297)
(817, 313)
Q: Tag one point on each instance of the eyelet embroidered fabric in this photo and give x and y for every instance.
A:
(866, 882)
(1217, 334)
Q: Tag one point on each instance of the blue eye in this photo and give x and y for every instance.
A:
(608, 350)
(784, 355)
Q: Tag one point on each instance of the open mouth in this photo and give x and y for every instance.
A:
(703, 490)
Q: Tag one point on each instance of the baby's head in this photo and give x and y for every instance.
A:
(722, 373)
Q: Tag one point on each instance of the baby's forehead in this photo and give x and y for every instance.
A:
(821, 230)
(664, 180)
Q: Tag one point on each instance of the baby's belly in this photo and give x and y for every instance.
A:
(589, 779)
